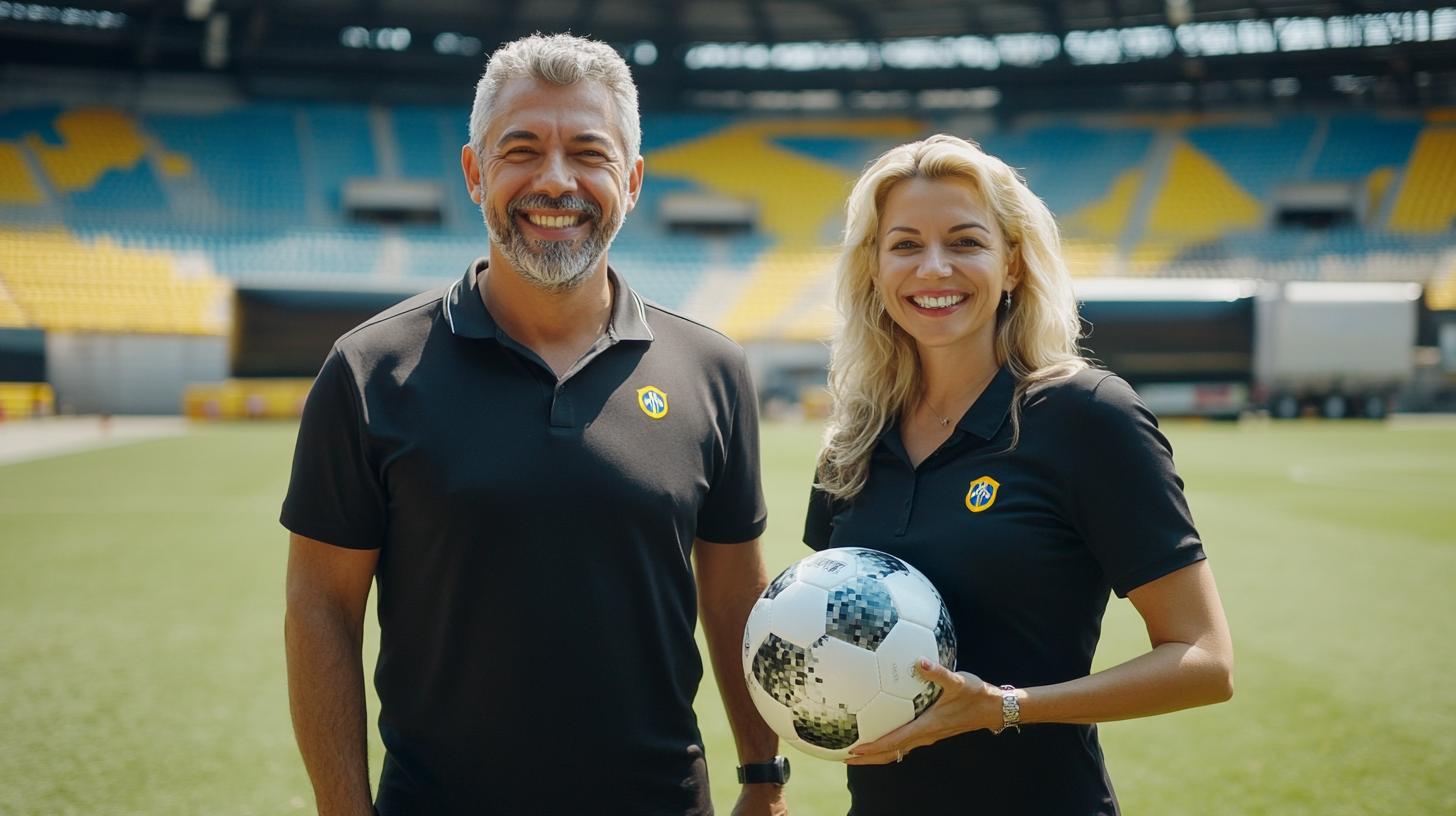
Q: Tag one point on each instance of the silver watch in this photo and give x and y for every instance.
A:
(1010, 710)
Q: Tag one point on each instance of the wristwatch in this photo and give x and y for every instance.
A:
(1010, 710)
(773, 772)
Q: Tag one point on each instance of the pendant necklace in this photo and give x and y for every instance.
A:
(944, 421)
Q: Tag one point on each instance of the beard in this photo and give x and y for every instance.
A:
(551, 266)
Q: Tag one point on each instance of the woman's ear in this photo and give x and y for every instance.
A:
(1013, 269)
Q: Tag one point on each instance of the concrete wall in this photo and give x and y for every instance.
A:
(130, 373)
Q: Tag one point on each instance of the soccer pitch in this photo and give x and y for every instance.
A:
(141, 660)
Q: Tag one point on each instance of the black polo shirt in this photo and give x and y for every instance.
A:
(536, 597)
(1025, 546)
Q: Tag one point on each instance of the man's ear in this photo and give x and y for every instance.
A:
(470, 166)
(634, 184)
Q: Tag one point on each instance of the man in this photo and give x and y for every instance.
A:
(525, 462)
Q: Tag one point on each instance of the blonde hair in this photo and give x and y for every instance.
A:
(875, 370)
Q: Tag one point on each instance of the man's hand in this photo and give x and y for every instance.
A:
(761, 800)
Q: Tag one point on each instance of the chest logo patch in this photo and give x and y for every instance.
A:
(982, 494)
(653, 401)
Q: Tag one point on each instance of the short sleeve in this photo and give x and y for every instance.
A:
(1126, 498)
(819, 522)
(734, 510)
(334, 495)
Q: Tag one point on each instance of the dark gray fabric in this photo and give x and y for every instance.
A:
(536, 597)
(1088, 503)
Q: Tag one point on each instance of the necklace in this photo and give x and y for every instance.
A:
(944, 421)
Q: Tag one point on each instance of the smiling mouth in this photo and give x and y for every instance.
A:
(941, 302)
(554, 221)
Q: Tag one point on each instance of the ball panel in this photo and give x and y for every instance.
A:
(782, 582)
(876, 564)
(841, 676)
(915, 599)
(755, 630)
(926, 698)
(780, 668)
(798, 614)
(882, 715)
(907, 643)
(827, 569)
(824, 726)
(945, 639)
(777, 715)
(815, 751)
(861, 613)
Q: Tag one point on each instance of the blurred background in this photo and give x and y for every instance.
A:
(198, 196)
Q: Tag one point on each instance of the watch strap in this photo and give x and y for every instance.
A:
(773, 772)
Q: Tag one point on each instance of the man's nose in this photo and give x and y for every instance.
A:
(555, 178)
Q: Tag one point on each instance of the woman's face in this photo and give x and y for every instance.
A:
(944, 265)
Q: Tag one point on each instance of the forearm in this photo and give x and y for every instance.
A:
(1171, 677)
(730, 579)
(723, 631)
(326, 698)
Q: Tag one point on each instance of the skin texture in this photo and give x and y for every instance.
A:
(551, 140)
(323, 633)
(938, 239)
(927, 249)
(545, 140)
(730, 579)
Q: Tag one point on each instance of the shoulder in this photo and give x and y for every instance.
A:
(1090, 397)
(701, 340)
(404, 324)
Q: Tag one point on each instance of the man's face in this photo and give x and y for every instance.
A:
(553, 180)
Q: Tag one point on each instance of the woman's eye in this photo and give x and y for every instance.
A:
(904, 245)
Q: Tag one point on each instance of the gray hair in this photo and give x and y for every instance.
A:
(561, 59)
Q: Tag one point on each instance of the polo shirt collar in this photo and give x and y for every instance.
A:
(988, 412)
(466, 313)
(983, 419)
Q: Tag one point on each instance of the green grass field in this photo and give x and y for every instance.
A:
(141, 663)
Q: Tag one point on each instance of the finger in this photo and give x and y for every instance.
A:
(938, 674)
(877, 758)
(903, 737)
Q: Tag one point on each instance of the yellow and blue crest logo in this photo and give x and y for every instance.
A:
(652, 401)
(982, 494)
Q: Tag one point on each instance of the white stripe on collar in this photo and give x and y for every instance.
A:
(449, 315)
(642, 315)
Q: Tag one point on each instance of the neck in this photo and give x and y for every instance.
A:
(951, 378)
(540, 319)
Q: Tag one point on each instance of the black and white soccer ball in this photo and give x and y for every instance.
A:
(830, 648)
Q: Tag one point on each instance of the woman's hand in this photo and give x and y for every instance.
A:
(966, 703)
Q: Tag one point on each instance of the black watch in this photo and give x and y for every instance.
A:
(773, 772)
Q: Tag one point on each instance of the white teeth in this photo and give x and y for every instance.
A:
(554, 221)
(937, 302)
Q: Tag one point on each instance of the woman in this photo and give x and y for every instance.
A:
(971, 439)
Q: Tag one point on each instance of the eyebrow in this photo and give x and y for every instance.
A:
(589, 137)
(956, 228)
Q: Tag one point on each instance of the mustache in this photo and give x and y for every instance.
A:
(538, 201)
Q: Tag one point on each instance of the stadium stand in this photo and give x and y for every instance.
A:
(250, 195)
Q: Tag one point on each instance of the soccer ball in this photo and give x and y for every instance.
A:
(830, 648)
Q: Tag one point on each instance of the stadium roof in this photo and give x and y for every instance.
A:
(700, 53)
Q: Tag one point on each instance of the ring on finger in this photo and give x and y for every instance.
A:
(899, 755)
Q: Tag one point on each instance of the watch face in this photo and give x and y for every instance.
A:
(783, 763)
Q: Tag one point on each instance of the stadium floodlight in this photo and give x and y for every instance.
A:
(644, 52)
